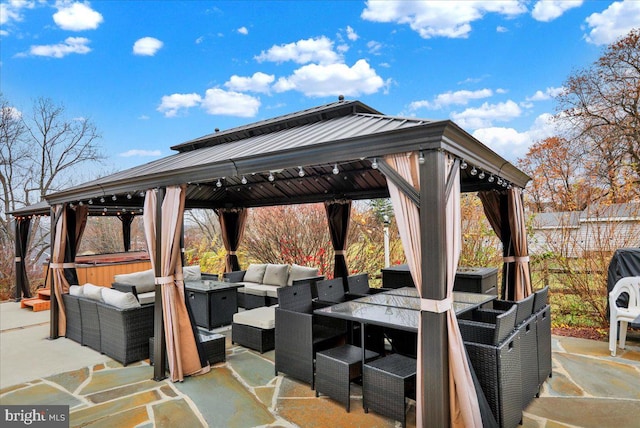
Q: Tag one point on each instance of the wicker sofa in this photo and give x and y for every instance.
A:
(142, 284)
(109, 321)
(261, 282)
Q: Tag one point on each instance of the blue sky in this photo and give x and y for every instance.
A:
(152, 74)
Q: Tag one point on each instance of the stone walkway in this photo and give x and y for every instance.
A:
(589, 388)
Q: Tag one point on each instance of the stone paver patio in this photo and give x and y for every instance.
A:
(589, 388)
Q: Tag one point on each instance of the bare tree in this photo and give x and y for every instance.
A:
(601, 106)
(39, 153)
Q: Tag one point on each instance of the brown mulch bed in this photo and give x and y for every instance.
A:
(581, 332)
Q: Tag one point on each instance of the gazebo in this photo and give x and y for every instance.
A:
(334, 153)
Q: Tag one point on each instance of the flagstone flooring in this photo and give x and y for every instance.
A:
(589, 388)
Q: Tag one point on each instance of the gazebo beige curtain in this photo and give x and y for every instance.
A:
(516, 253)
(232, 224)
(60, 284)
(182, 350)
(464, 407)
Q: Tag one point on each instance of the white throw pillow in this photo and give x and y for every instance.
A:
(192, 273)
(76, 290)
(119, 299)
(255, 273)
(301, 272)
(143, 280)
(93, 292)
(276, 275)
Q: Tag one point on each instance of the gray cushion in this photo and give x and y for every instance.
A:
(143, 280)
(263, 317)
(192, 273)
(146, 298)
(119, 299)
(301, 272)
(93, 292)
(255, 273)
(276, 275)
(76, 290)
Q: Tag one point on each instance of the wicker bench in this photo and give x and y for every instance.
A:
(255, 328)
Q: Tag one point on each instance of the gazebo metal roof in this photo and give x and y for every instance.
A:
(235, 167)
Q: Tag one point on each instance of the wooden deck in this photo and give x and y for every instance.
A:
(40, 303)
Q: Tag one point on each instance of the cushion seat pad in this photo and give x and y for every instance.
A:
(263, 317)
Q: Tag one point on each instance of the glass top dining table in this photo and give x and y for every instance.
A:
(398, 308)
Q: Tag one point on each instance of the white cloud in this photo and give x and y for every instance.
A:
(171, 104)
(439, 18)
(548, 10)
(229, 103)
(259, 82)
(547, 94)
(351, 34)
(199, 40)
(451, 98)
(302, 52)
(76, 16)
(516, 143)
(485, 115)
(243, 30)
(334, 79)
(71, 45)
(11, 112)
(614, 22)
(140, 153)
(11, 10)
(374, 47)
(501, 29)
(147, 46)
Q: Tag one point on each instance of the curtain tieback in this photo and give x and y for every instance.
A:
(340, 252)
(162, 280)
(512, 259)
(232, 253)
(436, 306)
(62, 265)
(18, 259)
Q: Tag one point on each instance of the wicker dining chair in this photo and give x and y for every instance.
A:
(300, 334)
(331, 290)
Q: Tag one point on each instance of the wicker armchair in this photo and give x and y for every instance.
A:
(90, 323)
(494, 353)
(330, 290)
(542, 312)
(526, 326)
(300, 333)
(125, 333)
(358, 286)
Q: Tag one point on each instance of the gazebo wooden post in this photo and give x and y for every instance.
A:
(435, 355)
(53, 311)
(159, 348)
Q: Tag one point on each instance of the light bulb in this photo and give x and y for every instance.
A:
(271, 177)
(219, 183)
(481, 175)
(300, 172)
(335, 171)
(374, 164)
(463, 165)
(244, 180)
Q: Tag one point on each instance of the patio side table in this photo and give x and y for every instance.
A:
(336, 368)
(385, 384)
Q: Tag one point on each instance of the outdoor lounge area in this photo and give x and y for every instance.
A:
(412, 341)
(589, 388)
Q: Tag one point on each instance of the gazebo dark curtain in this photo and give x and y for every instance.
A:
(22, 237)
(338, 214)
(76, 223)
(126, 219)
(505, 213)
(232, 223)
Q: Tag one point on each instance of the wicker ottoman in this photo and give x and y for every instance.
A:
(213, 344)
(336, 368)
(255, 328)
(386, 382)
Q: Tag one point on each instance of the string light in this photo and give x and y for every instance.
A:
(473, 171)
(374, 164)
(464, 164)
(300, 172)
(219, 183)
(102, 200)
(335, 171)
(421, 158)
(271, 177)
(491, 178)
(114, 197)
(244, 180)
(481, 175)
(129, 196)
